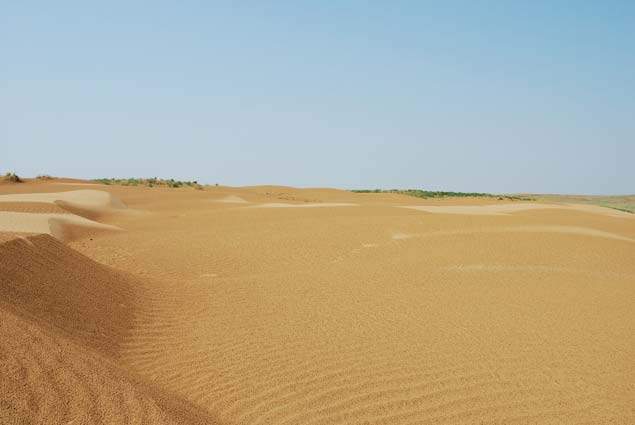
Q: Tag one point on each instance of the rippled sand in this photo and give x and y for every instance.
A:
(359, 311)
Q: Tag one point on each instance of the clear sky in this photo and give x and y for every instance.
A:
(509, 96)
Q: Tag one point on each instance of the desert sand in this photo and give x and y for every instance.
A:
(275, 305)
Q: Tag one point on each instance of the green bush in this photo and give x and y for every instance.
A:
(150, 182)
(438, 194)
(12, 177)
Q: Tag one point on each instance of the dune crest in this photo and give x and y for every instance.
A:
(60, 226)
(96, 200)
(74, 212)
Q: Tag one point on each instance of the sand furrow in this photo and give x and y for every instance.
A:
(366, 395)
(336, 381)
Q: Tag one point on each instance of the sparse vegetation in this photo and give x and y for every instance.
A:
(44, 177)
(150, 182)
(622, 203)
(442, 194)
(12, 178)
(631, 210)
(625, 203)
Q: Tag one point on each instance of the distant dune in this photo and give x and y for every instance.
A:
(505, 209)
(276, 305)
(623, 203)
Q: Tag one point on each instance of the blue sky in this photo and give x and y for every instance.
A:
(502, 96)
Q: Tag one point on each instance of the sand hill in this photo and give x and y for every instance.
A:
(275, 305)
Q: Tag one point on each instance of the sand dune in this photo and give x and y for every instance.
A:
(63, 318)
(63, 289)
(63, 215)
(61, 226)
(82, 199)
(32, 207)
(199, 312)
(506, 209)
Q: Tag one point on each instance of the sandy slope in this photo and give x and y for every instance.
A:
(63, 318)
(207, 309)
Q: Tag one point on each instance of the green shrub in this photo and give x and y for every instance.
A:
(149, 182)
(438, 194)
(12, 177)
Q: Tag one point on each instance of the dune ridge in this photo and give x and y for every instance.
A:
(60, 226)
(63, 215)
(85, 199)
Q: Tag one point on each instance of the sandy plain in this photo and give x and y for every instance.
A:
(155, 305)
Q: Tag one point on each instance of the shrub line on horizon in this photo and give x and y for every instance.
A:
(149, 182)
(441, 194)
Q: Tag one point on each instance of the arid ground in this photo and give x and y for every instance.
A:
(274, 305)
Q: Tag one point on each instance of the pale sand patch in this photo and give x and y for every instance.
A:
(306, 205)
(539, 268)
(79, 184)
(506, 209)
(575, 230)
(595, 209)
(233, 200)
(495, 209)
(586, 231)
(495, 267)
(52, 224)
(85, 198)
(400, 236)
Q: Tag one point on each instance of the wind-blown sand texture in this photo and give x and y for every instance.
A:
(200, 311)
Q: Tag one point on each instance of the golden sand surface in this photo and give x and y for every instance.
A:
(229, 306)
